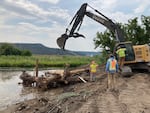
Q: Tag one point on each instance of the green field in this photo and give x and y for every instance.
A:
(45, 61)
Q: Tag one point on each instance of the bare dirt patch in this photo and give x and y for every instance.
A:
(132, 96)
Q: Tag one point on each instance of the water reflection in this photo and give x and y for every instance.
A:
(10, 91)
(4, 76)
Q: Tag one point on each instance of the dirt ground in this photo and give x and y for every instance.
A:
(132, 96)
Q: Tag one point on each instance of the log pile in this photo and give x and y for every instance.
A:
(51, 78)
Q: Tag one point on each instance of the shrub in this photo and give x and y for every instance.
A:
(9, 49)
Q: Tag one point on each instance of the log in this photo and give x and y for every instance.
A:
(82, 79)
(27, 79)
(44, 82)
(54, 76)
(78, 71)
(51, 72)
(36, 67)
(67, 73)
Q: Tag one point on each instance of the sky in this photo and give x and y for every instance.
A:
(43, 21)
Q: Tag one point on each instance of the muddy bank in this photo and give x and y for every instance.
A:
(132, 96)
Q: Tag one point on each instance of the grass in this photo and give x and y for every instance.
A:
(45, 61)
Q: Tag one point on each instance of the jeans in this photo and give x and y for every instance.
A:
(92, 76)
(111, 80)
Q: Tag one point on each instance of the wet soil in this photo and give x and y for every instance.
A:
(132, 95)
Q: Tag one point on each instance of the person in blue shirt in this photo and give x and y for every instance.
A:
(111, 70)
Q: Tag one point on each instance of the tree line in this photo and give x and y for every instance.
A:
(8, 49)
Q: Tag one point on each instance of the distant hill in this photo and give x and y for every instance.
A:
(39, 49)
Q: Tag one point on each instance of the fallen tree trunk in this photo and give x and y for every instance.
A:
(55, 76)
(27, 79)
(44, 82)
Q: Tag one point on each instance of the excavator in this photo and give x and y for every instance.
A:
(135, 55)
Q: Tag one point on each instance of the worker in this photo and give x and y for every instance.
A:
(93, 70)
(121, 54)
(111, 70)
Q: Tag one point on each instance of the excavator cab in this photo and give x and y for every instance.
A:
(130, 56)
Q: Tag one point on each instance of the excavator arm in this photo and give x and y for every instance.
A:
(78, 19)
(76, 23)
(115, 28)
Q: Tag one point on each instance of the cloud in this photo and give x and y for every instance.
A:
(29, 33)
(120, 17)
(25, 8)
(60, 13)
(143, 5)
(42, 21)
(104, 5)
(50, 1)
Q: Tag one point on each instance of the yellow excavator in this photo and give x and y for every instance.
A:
(137, 57)
(142, 58)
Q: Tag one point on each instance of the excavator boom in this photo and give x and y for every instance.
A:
(77, 20)
(115, 28)
(76, 23)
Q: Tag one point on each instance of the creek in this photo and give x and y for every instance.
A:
(11, 92)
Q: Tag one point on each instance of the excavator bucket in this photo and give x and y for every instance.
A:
(61, 41)
(126, 71)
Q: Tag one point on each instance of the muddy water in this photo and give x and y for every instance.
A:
(10, 91)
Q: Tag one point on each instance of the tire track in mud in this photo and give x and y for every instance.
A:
(103, 101)
(133, 96)
(136, 94)
(106, 102)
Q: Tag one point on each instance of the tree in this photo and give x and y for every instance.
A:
(146, 23)
(8, 49)
(105, 40)
(135, 32)
(26, 53)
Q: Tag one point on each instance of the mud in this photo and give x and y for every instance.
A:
(132, 95)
